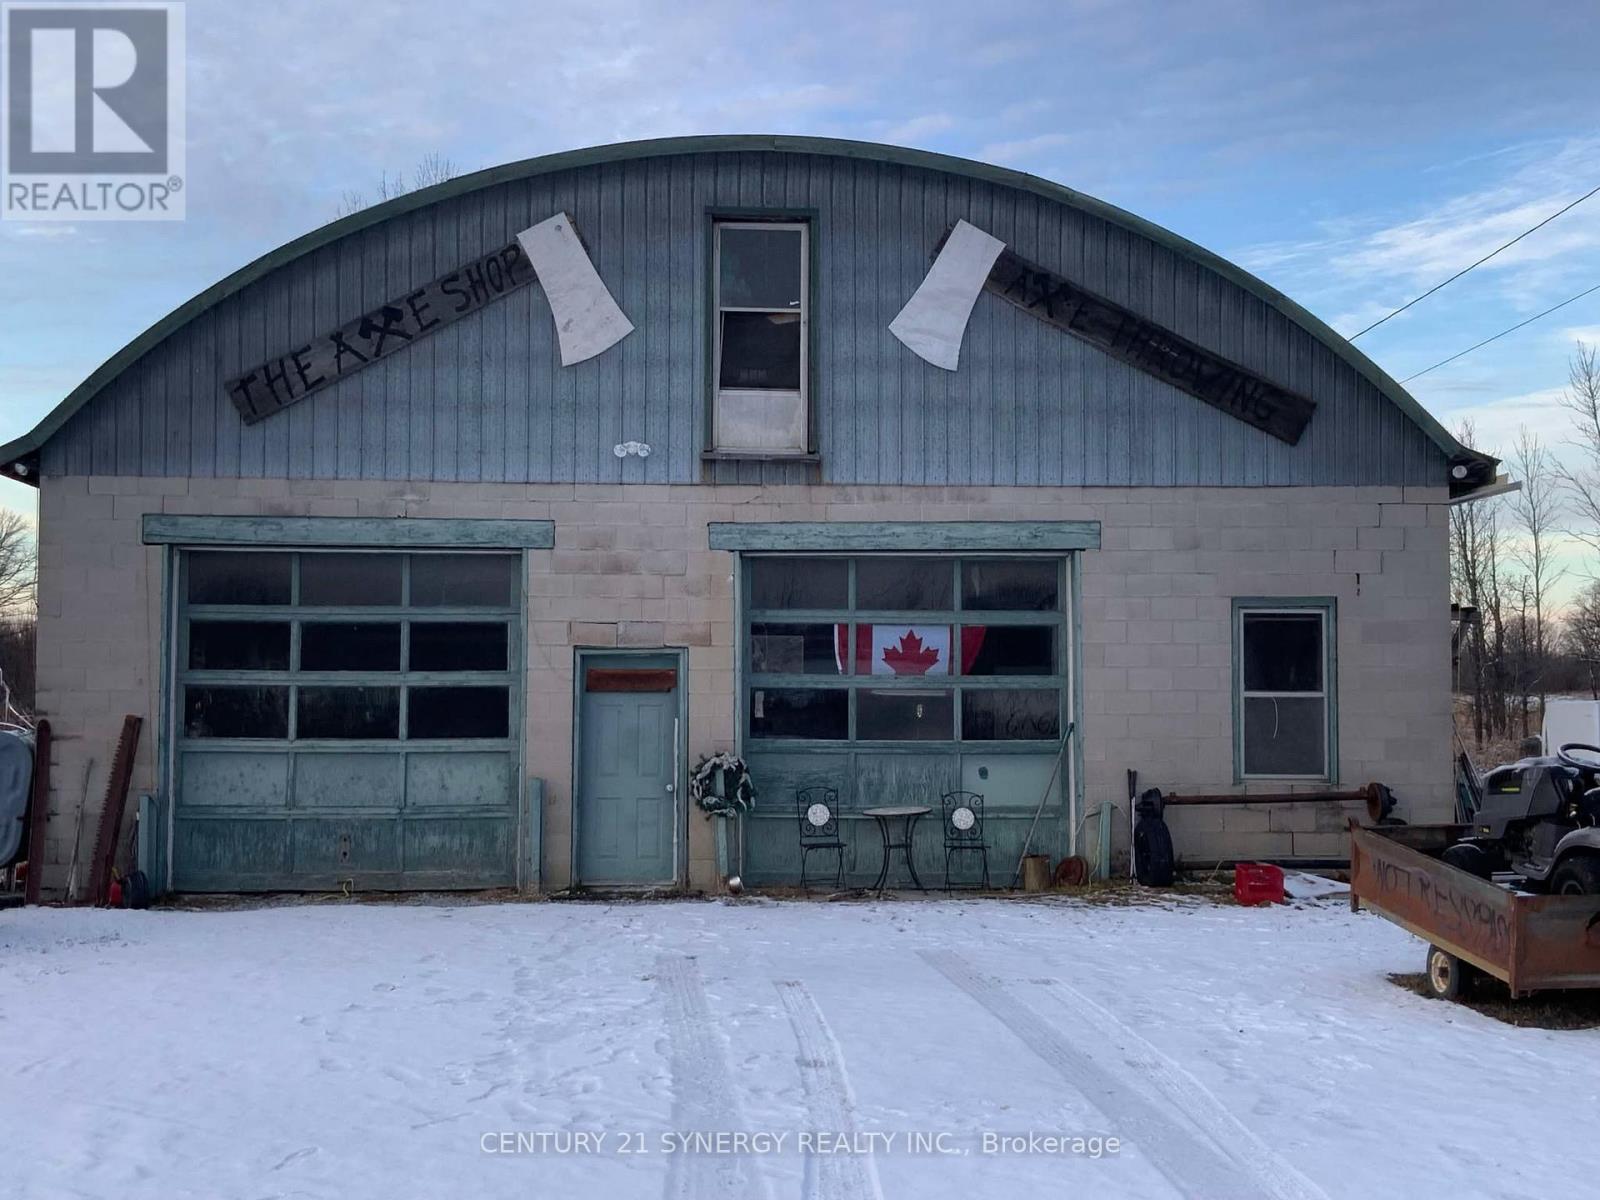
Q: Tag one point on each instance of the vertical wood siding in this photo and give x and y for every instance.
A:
(487, 399)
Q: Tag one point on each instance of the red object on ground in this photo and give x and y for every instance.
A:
(1257, 883)
(114, 894)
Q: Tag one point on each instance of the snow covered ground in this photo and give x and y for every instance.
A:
(354, 1051)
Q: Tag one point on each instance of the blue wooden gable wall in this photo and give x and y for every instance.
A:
(486, 399)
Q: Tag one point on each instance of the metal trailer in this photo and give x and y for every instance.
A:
(1530, 943)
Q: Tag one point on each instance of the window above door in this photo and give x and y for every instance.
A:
(761, 337)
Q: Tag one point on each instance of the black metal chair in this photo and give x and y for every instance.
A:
(963, 831)
(818, 809)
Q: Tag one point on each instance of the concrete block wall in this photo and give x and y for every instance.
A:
(1157, 612)
(631, 567)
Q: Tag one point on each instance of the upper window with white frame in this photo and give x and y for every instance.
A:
(1284, 685)
(761, 363)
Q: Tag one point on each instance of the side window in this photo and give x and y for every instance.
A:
(761, 338)
(1284, 690)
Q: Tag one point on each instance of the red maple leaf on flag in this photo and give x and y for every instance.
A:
(910, 657)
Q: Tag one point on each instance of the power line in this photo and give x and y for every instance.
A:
(1479, 263)
(1502, 333)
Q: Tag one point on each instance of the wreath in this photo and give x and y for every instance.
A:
(721, 785)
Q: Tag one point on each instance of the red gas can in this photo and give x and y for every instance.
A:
(1257, 883)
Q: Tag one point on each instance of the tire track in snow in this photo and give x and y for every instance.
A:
(1175, 1084)
(1195, 1168)
(830, 1099)
(703, 1099)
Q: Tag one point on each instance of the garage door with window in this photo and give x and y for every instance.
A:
(346, 717)
(897, 678)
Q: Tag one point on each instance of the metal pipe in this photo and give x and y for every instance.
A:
(1102, 869)
(1299, 864)
(1364, 795)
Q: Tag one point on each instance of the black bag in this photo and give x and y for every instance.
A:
(1153, 861)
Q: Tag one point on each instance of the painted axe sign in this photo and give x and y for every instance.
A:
(1140, 342)
(969, 261)
(587, 319)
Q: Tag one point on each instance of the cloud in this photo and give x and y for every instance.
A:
(1007, 50)
(1423, 252)
(20, 498)
(1496, 423)
(804, 97)
(1359, 317)
(1589, 335)
(1394, 259)
(1022, 110)
(919, 129)
(1022, 148)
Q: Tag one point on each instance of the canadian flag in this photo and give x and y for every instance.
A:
(904, 649)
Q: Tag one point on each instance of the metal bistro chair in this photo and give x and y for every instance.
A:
(963, 831)
(818, 808)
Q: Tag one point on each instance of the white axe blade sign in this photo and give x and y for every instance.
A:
(588, 320)
(935, 318)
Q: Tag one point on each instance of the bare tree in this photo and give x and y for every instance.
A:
(350, 201)
(1519, 642)
(1580, 475)
(431, 169)
(1537, 507)
(1498, 593)
(17, 661)
(1582, 635)
(19, 561)
(1475, 582)
(19, 564)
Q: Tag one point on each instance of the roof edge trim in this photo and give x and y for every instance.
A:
(30, 443)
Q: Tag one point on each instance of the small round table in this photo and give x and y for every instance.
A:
(885, 817)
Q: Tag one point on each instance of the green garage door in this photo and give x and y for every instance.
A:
(346, 718)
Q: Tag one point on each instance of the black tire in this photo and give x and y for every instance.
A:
(1444, 975)
(136, 890)
(1153, 863)
(1471, 858)
(1577, 876)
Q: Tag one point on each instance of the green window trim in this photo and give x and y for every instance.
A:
(1061, 678)
(397, 533)
(1328, 607)
(907, 537)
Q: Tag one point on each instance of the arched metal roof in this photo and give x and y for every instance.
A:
(27, 446)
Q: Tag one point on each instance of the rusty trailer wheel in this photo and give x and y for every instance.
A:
(1445, 974)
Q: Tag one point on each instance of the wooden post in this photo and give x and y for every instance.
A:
(110, 830)
(1036, 873)
(38, 812)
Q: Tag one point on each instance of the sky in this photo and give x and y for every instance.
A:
(1351, 154)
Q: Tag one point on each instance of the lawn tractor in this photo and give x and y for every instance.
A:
(1537, 820)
